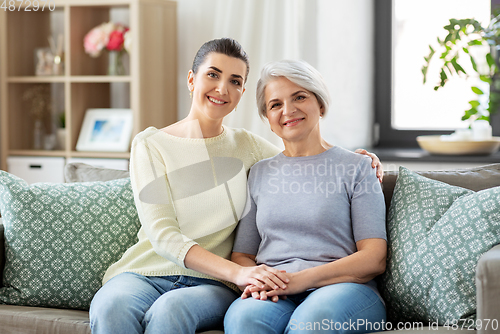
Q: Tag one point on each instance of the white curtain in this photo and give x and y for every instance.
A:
(334, 36)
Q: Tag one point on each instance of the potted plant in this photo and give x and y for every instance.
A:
(464, 38)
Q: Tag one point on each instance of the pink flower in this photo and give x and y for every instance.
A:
(95, 41)
(108, 36)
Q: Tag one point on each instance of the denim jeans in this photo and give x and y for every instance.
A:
(336, 308)
(132, 303)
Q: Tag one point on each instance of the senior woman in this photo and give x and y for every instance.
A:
(315, 211)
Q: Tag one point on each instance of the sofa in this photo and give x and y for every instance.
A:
(35, 319)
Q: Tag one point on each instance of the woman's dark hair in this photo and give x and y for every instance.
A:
(226, 46)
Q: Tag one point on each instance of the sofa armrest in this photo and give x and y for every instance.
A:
(488, 290)
(2, 253)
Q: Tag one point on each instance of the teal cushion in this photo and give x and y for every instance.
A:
(61, 237)
(436, 234)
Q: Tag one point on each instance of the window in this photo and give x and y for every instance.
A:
(405, 107)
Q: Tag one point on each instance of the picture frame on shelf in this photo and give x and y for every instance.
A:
(105, 130)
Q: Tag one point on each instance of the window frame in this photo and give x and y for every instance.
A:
(385, 134)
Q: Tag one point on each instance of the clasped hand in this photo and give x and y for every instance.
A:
(262, 277)
(294, 286)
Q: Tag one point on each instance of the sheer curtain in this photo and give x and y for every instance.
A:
(334, 36)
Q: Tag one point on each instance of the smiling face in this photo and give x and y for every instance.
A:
(217, 86)
(293, 112)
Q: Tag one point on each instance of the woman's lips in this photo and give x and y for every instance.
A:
(293, 122)
(216, 101)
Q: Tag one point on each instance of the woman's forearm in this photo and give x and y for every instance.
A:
(359, 267)
(245, 260)
(199, 259)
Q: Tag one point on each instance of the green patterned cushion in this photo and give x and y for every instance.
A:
(436, 234)
(61, 237)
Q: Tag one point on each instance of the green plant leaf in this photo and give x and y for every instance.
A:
(477, 91)
(490, 60)
(457, 66)
(483, 117)
(485, 78)
(475, 42)
(448, 37)
(473, 63)
(469, 113)
(424, 72)
(443, 77)
(474, 103)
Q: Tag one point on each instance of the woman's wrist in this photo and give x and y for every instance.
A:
(306, 278)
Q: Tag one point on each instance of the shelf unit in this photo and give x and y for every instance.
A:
(149, 87)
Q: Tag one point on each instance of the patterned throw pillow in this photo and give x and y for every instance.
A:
(61, 237)
(436, 234)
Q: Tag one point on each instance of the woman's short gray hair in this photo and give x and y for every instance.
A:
(300, 73)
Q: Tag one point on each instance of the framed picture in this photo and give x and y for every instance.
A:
(107, 130)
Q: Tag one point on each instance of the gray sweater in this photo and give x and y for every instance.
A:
(307, 211)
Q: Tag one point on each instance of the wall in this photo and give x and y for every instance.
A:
(334, 36)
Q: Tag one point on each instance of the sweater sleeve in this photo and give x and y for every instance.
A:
(154, 204)
(263, 148)
(247, 238)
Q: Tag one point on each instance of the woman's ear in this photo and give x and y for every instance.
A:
(190, 80)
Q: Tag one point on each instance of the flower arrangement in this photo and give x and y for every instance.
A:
(110, 36)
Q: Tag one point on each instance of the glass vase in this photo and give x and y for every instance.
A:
(116, 63)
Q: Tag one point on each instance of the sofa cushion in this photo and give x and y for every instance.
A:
(25, 319)
(80, 172)
(475, 178)
(61, 237)
(436, 234)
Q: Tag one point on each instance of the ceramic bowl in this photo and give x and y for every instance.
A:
(434, 145)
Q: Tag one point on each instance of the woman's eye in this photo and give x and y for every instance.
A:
(275, 105)
(300, 97)
(236, 82)
(212, 75)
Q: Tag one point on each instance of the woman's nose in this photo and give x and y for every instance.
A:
(288, 108)
(221, 88)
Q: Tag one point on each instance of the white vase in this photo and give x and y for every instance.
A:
(61, 138)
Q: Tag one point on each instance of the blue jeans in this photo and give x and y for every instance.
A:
(132, 303)
(336, 308)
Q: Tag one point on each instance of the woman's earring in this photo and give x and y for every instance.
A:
(235, 108)
(191, 94)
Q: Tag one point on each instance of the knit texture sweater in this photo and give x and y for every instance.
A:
(187, 192)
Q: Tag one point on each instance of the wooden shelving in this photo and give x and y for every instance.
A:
(149, 87)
